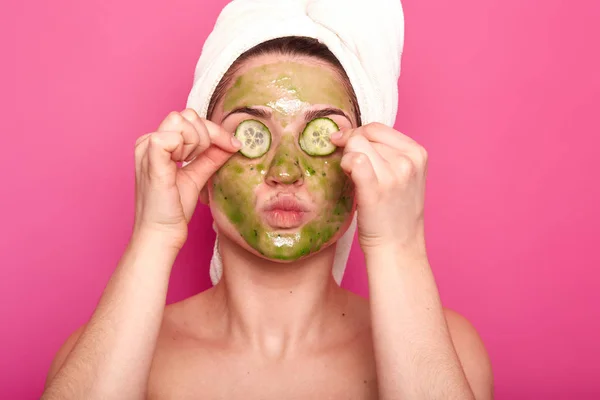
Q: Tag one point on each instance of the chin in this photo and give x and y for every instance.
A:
(280, 245)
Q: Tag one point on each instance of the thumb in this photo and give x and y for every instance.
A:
(206, 164)
(196, 173)
(361, 171)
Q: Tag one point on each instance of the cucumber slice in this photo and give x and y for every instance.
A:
(255, 138)
(314, 140)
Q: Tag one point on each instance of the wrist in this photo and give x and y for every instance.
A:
(397, 250)
(148, 254)
(155, 243)
(163, 239)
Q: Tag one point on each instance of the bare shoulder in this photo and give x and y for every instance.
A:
(62, 354)
(472, 354)
(193, 316)
(174, 314)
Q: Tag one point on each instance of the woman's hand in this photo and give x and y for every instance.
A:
(389, 171)
(166, 194)
(119, 341)
(415, 354)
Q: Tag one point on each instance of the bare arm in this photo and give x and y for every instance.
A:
(414, 347)
(112, 356)
(415, 353)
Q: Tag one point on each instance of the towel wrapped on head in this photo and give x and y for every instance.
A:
(367, 38)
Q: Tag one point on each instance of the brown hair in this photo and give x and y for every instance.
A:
(289, 46)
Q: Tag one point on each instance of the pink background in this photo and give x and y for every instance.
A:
(505, 95)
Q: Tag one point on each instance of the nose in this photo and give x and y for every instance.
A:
(285, 168)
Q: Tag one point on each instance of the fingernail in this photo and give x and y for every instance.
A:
(235, 142)
(336, 135)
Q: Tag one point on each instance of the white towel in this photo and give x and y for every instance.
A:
(366, 36)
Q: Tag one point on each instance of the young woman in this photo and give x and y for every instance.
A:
(276, 325)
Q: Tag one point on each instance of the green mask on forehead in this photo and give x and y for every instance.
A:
(287, 89)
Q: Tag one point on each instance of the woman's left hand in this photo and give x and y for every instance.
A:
(389, 171)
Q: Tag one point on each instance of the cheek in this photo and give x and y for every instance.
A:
(327, 181)
(233, 188)
(333, 192)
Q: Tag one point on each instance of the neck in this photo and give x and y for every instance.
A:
(277, 308)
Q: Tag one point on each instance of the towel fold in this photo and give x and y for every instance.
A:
(366, 36)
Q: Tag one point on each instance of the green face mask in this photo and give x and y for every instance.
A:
(243, 189)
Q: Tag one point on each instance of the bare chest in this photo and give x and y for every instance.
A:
(187, 371)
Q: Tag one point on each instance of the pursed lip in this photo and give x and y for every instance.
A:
(285, 212)
(285, 203)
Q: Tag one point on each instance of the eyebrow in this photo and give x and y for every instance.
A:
(324, 112)
(308, 116)
(255, 112)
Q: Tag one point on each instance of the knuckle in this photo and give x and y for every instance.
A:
(153, 140)
(367, 130)
(191, 114)
(174, 117)
(161, 139)
(360, 159)
(405, 165)
(373, 126)
(369, 127)
(140, 139)
(423, 155)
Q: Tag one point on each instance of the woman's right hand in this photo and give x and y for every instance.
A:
(166, 194)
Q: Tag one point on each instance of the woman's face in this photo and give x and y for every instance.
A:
(285, 204)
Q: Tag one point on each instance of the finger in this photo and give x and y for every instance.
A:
(162, 150)
(377, 133)
(205, 165)
(221, 138)
(360, 144)
(141, 145)
(198, 123)
(216, 134)
(389, 154)
(205, 141)
(360, 169)
(192, 139)
(140, 151)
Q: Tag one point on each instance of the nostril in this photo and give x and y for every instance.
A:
(284, 174)
(284, 170)
(284, 178)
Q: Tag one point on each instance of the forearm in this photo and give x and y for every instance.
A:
(414, 353)
(113, 355)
